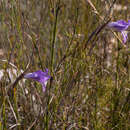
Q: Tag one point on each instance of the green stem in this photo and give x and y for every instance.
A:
(52, 63)
(54, 37)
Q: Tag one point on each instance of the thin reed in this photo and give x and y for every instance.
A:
(88, 63)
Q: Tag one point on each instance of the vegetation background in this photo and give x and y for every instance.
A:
(88, 62)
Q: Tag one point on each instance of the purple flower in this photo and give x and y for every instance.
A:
(120, 26)
(40, 76)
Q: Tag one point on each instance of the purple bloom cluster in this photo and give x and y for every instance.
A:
(120, 26)
(40, 76)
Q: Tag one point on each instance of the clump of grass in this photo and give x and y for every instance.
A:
(90, 84)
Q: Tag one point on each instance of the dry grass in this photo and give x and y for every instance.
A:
(90, 66)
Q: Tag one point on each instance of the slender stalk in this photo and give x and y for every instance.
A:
(54, 36)
(52, 63)
(116, 91)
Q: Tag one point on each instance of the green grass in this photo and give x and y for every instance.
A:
(90, 86)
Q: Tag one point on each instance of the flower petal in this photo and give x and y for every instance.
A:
(116, 26)
(122, 22)
(125, 37)
(34, 76)
(40, 76)
(29, 75)
(120, 25)
(43, 87)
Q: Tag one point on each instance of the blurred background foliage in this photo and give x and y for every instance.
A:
(90, 70)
